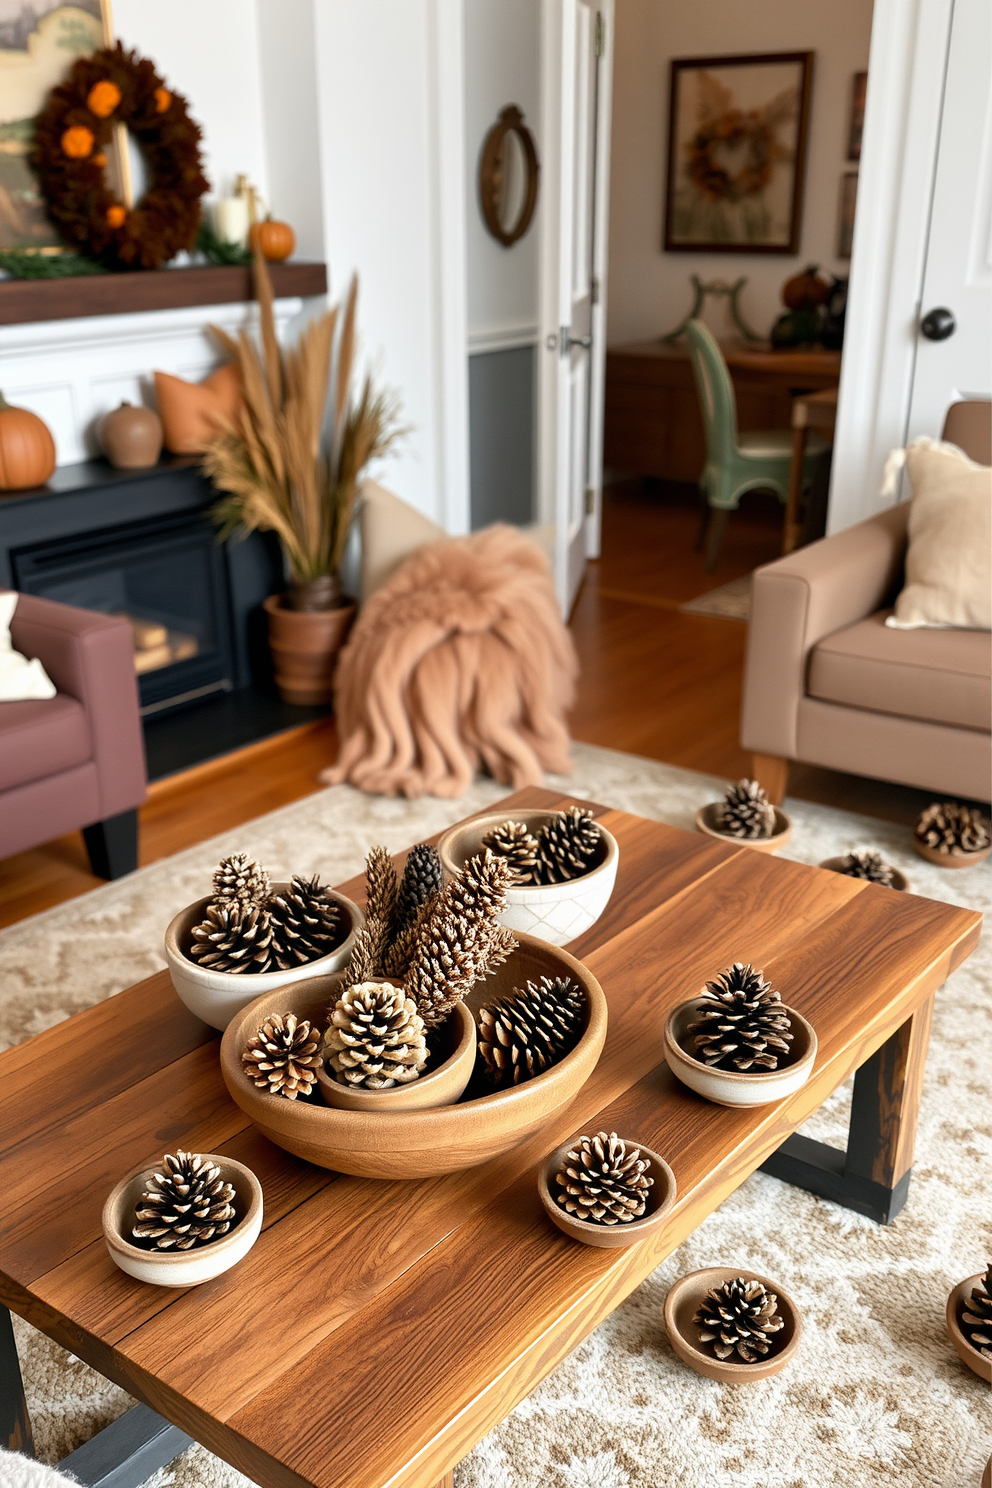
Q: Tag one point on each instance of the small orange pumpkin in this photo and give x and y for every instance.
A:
(275, 239)
(806, 291)
(27, 449)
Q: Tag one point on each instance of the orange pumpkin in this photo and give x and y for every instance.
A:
(806, 291)
(27, 449)
(275, 239)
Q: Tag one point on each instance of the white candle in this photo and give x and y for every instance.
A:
(231, 220)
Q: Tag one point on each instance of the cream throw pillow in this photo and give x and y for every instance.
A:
(19, 678)
(949, 560)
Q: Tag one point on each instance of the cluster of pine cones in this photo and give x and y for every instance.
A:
(184, 1206)
(741, 1023)
(745, 811)
(565, 847)
(249, 930)
(739, 1317)
(950, 828)
(869, 864)
(603, 1181)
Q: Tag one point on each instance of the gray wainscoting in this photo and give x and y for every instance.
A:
(502, 433)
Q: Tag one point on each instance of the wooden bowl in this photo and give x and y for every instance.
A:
(965, 1348)
(556, 913)
(682, 1304)
(899, 880)
(987, 1475)
(419, 1144)
(661, 1197)
(706, 822)
(437, 1087)
(951, 860)
(738, 1087)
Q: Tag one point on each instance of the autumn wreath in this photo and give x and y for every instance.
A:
(72, 134)
(750, 138)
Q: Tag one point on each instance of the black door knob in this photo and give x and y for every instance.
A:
(938, 324)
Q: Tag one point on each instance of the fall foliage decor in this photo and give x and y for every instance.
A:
(75, 129)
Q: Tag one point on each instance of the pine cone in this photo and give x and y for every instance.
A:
(306, 923)
(462, 941)
(421, 881)
(368, 956)
(399, 954)
(235, 938)
(240, 877)
(567, 845)
(376, 1039)
(868, 864)
(282, 1056)
(381, 886)
(511, 840)
(953, 829)
(603, 1181)
(527, 1032)
(976, 1317)
(186, 1206)
(743, 1022)
(745, 811)
(740, 1315)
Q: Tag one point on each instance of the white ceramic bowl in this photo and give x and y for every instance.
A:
(556, 913)
(216, 996)
(190, 1267)
(735, 1087)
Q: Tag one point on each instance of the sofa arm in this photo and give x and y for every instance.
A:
(91, 658)
(798, 600)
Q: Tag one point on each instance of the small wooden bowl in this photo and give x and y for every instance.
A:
(684, 1301)
(736, 1087)
(661, 1197)
(899, 880)
(438, 1087)
(965, 1349)
(987, 1475)
(951, 860)
(706, 822)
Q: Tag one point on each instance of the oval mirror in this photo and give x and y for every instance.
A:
(508, 172)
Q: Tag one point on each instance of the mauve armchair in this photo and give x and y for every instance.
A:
(77, 759)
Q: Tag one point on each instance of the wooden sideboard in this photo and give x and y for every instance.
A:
(653, 424)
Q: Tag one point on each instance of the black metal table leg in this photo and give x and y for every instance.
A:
(127, 1451)
(15, 1423)
(873, 1175)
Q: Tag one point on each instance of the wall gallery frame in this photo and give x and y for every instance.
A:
(737, 133)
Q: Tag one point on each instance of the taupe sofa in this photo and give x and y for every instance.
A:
(826, 683)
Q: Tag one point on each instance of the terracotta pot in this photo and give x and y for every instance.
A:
(305, 646)
(661, 1198)
(440, 1086)
(739, 1087)
(962, 1343)
(189, 1267)
(682, 1304)
(899, 880)
(706, 822)
(131, 438)
(951, 860)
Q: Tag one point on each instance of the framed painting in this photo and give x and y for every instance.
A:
(38, 44)
(737, 129)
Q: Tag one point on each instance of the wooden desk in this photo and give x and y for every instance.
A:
(652, 420)
(812, 411)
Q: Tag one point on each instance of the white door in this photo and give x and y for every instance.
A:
(954, 333)
(575, 43)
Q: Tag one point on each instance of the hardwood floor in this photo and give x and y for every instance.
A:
(654, 682)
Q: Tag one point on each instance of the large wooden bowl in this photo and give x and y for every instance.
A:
(418, 1144)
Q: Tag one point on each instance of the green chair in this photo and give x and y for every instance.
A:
(735, 463)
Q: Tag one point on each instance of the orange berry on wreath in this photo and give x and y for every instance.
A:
(116, 215)
(103, 98)
(163, 99)
(77, 142)
(100, 160)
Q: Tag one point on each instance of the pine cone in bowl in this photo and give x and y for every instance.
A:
(745, 811)
(739, 1317)
(741, 1023)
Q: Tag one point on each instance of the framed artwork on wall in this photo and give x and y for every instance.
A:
(848, 202)
(737, 129)
(859, 91)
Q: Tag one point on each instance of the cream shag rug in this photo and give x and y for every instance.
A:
(876, 1395)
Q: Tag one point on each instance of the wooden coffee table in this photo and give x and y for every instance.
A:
(377, 1330)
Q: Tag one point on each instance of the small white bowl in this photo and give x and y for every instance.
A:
(736, 1087)
(185, 1268)
(217, 996)
(555, 913)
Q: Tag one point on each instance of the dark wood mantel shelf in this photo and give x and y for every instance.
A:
(25, 300)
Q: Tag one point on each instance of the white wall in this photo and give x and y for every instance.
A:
(649, 289)
(289, 112)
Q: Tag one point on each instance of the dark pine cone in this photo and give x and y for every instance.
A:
(742, 1021)
(235, 938)
(187, 1205)
(868, 864)
(740, 1316)
(568, 846)
(512, 840)
(282, 1056)
(306, 923)
(602, 1181)
(949, 828)
(525, 1033)
(422, 879)
(240, 877)
(976, 1317)
(745, 811)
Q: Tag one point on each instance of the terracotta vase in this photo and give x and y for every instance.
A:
(131, 438)
(305, 646)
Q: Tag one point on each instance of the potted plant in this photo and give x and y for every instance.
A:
(282, 473)
(745, 816)
(605, 1191)
(733, 1328)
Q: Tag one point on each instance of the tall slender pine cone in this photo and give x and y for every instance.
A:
(399, 953)
(950, 828)
(462, 941)
(381, 886)
(976, 1317)
(603, 1181)
(742, 1022)
(187, 1205)
(240, 877)
(421, 881)
(745, 811)
(867, 864)
(235, 938)
(376, 1039)
(368, 957)
(568, 845)
(527, 1032)
(306, 923)
(478, 894)
(283, 1056)
(512, 840)
(740, 1316)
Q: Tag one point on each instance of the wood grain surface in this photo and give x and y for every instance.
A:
(457, 1289)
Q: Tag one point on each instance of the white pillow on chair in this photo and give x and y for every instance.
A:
(949, 559)
(23, 1472)
(19, 678)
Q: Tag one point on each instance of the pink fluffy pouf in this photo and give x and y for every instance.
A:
(459, 662)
